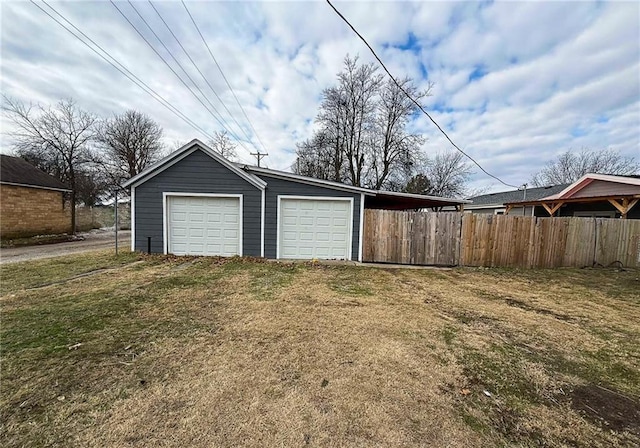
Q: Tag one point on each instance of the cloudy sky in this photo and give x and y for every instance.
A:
(515, 83)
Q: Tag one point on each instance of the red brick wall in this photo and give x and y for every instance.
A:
(26, 212)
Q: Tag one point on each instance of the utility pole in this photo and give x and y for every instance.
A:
(259, 155)
(115, 206)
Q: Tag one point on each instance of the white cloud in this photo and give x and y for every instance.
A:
(515, 83)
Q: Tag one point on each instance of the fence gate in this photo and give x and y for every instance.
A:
(412, 237)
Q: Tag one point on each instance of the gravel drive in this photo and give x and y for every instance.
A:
(92, 241)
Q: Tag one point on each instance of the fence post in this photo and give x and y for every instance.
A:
(595, 241)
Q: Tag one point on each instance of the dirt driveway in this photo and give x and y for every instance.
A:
(92, 241)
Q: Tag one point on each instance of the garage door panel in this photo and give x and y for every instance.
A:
(305, 220)
(196, 232)
(214, 217)
(339, 222)
(323, 236)
(339, 237)
(314, 228)
(230, 234)
(339, 253)
(202, 225)
(231, 219)
(178, 217)
(323, 221)
(179, 231)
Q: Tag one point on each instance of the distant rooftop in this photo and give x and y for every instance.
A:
(504, 197)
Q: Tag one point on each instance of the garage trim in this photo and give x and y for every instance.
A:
(361, 227)
(315, 198)
(132, 213)
(165, 226)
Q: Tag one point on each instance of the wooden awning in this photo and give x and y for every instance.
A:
(623, 203)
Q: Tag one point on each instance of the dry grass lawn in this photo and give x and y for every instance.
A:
(157, 351)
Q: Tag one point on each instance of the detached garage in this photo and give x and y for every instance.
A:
(195, 202)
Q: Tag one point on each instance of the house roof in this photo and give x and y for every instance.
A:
(19, 172)
(504, 197)
(587, 179)
(252, 173)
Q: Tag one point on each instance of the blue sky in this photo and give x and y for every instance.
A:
(515, 83)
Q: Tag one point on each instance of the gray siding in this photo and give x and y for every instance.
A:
(196, 173)
(277, 187)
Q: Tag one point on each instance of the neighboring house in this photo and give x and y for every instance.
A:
(196, 202)
(593, 195)
(494, 203)
(31, 201)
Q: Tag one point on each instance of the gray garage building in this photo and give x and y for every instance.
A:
(196, 202)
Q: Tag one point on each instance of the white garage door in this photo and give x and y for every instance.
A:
(200, 225)
(314, 228)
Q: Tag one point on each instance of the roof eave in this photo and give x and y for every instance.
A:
(41, 187)
(309, 180)
(423, 197)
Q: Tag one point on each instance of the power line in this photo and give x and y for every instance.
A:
(174, 72)
(127, 73)
(259, 156)
(199, 71)
(413, 100)
(223, 76)
(223, 123)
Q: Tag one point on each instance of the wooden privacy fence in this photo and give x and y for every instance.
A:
(456, 239)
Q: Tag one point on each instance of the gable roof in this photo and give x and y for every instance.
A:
(19, 172)
(183, 152)
(587, 179)
(503, 197)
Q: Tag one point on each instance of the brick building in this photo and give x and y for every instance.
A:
(31, 201)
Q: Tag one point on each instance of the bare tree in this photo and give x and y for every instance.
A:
(91, 185)
(177, 144)
(571, 166)
(60, 135)
(315, 158)
(447, 174)
(130, 141)
(356, 92)
(395, 150)
(222, 143)
(362, 137)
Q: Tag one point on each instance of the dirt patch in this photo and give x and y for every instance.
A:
(525, 306)
(607, 407)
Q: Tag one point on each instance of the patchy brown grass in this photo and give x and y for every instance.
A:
(209, 352)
